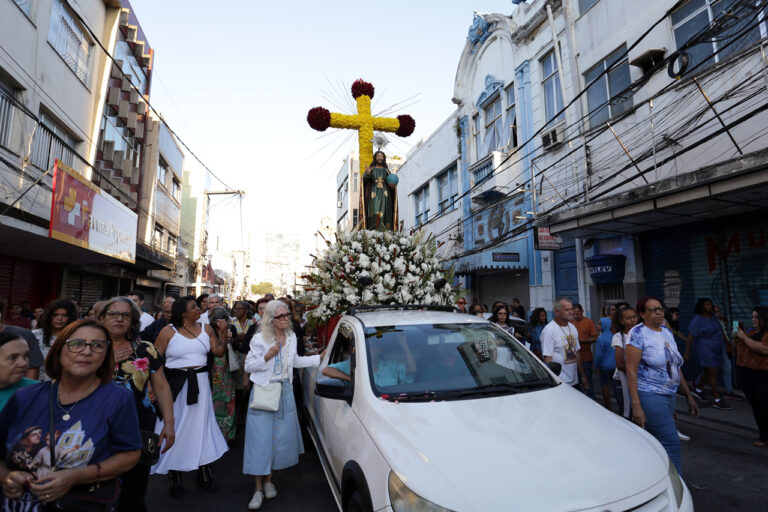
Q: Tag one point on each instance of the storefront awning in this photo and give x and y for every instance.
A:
(509, 256)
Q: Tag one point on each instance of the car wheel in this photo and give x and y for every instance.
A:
(355, 503)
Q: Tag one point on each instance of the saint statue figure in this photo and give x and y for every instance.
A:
(379, 189)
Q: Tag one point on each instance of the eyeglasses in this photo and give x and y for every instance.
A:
(284, 316)
(657, 309)
(77, 345)
(113, 315)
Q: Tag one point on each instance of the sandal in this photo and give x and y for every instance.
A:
(759, 443)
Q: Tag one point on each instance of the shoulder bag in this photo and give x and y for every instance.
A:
(267, 398)
(99, 496)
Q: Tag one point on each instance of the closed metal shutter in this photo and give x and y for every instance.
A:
(25, 280)
(84, 287)
(504, 286)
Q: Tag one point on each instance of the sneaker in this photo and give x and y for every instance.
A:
(721, 404)
(682, 436)
(256, 501)
(270, 491)
(696, 392)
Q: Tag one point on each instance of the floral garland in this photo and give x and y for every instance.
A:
(372, 267)
(319, 118)
(360, 87)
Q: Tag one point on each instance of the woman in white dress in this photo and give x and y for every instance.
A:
(56, 316)
(199, 442)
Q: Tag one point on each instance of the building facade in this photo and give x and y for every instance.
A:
(64, 99)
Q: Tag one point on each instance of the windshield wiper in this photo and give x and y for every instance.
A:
(418, 396)
(501, 388)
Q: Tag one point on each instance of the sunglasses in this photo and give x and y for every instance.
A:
(284, 316)
(113, 315)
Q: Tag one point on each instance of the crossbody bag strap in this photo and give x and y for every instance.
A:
(52, 425)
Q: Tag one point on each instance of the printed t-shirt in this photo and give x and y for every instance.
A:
(134, 373)
(101, 424)
(7, 393)
(561, 343)
(586, 329)
(660, 362)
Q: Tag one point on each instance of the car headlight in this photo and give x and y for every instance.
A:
(405, 500)
(677, 483)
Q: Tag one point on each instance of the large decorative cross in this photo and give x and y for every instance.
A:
(364, 122)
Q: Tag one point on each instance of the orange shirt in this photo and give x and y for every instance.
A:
(748, 358)
(587, 329)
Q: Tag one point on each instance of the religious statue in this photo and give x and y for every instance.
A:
(379, 193)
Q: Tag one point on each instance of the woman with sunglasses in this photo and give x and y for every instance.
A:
(273, 439)
(185, 344)
(653, 376)
(137, 365)
(95, 427)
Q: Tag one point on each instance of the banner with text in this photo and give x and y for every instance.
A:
(84, 215)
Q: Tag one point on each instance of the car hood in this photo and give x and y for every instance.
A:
(552, 449)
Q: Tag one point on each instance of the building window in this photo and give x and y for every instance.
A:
(355, 218)
(7, 95)
(162, 171)
(476, 135)
(607, 87)
(157, 239)
(494, 128)
(171, 248)
(421, 202)
(694, 16)
(24, 5)
(509, 137)
(585, 4)
(553, 96)
(52, 141)
(69, 40)
(176, 190)
(447, 191)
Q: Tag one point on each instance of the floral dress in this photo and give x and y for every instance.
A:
(134, 374)
(223, 393)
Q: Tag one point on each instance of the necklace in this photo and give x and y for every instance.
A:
(67, 416)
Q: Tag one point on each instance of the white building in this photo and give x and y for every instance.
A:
(651, 192)
(277, 258)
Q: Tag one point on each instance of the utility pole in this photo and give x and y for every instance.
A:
(203, 248)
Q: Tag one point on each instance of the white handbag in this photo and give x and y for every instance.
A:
(232, 359)
(266, 398)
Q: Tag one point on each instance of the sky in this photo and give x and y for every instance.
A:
(236, 78)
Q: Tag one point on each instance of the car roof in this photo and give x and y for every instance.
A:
(410, 317)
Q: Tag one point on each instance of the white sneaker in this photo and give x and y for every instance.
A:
(256, 501)
(270, 491)
(682, 436)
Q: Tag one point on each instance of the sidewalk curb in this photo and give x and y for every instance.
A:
(720, 426)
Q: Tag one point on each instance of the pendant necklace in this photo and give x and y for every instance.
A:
(66, 415)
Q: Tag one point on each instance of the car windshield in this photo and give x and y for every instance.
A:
(449, 361)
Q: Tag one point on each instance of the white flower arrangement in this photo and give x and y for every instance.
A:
(395, 269)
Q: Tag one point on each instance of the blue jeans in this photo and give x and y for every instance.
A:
(660, 423)
(587, 366)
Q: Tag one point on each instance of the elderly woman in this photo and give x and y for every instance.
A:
(273, 439)
(14, 362)
(222, 376)
(752, 369)
(137, 365)
(95, 426)
(653, 376)
(55, 317)
(186, 344)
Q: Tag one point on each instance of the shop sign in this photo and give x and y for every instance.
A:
(84, 215)
(544, 241)
(506, 256)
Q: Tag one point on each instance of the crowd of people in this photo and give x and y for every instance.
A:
(638, 354)
(114, 395)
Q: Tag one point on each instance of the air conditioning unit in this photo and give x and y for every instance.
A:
(553, 137)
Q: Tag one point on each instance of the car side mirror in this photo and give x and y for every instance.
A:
(336, 389)
(555, 367)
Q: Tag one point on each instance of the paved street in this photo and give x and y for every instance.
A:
(723, 471)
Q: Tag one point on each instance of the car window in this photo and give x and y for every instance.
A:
(447, 361)
(342, 347)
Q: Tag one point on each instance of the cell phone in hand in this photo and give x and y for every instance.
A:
(735, 325)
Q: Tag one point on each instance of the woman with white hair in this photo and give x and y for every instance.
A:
(272, 437)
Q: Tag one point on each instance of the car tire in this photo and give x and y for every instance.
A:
(356, 503)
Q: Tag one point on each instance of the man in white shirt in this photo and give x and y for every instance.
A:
(146, 319)
(560, 344)
(214, 301)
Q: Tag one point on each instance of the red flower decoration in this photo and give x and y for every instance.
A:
(407, 125)
(361, 87)
(319, 118)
